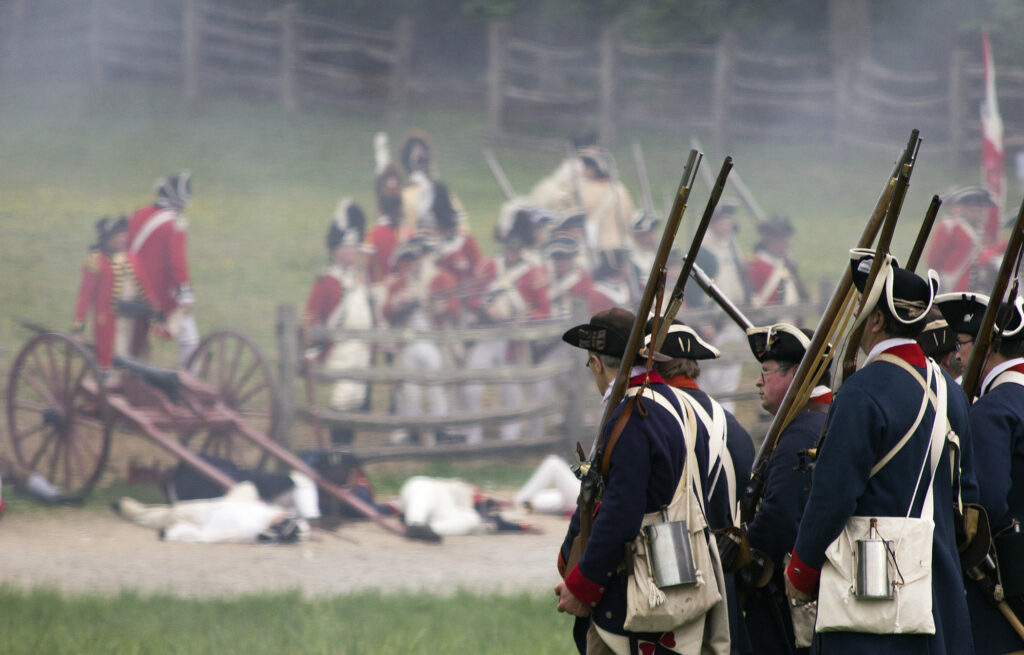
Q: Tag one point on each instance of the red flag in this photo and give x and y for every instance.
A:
(993, 171)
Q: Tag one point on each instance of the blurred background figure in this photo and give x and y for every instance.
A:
(340, 300)
(957, 248)
(774, 279)
(110, 290)
(720, 258)
(157, 236)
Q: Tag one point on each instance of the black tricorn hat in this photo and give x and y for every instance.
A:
(682, 342)
(937, 339)
(561, 245)
(776, 226)
(607, 332)
(571, 219)
(963, 311)
(968, 314)
(908, 296)
(781, 342)
(972, 196)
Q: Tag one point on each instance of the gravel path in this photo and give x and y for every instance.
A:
(83, 552)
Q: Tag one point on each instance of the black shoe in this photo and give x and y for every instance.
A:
(422, 533)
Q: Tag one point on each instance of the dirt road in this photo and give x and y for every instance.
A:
(82, 552)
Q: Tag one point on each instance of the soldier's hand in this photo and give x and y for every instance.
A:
(795, 593)
(568, 603)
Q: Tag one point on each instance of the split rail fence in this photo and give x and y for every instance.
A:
(721, 90)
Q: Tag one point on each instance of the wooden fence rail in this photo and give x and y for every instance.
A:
(720, 89)
(571, 401)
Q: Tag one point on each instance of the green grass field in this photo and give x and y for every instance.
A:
(266, 183)
(45, 622)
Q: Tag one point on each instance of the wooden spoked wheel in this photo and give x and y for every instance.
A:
(58, 419)
(235, 366)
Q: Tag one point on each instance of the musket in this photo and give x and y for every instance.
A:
(499, 174)
(676, 297)
(711, 289)
(746, 197)
(923, 233)
(588, 468)
(1008, 268)
(849, 362)
(645, 183)
(818, 352)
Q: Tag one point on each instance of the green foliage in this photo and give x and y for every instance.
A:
(45, 622)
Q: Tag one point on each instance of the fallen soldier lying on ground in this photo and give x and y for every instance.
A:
(239, 516)
(435, 507)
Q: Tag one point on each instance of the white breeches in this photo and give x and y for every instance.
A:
(238, 516)
(348, 394)
(552, 489)
(421, 356)
(446, 506)
(489, 354)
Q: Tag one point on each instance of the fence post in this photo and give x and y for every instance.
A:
(96, 41)
(720, 89)
(400, 72)
(606, 116)
(287, 330)
(955, 103)
(289, 55)
(495, 75)
(190, 49)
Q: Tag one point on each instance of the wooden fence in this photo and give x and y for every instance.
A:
(572, 404)
(721, 89)
(729, 92)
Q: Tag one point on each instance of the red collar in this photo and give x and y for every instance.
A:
(652, 378)
(682, 382)
(1018, 368)
(911, 353)
(824, 399)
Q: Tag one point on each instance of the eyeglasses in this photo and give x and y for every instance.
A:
(960, 344)
(590, 358)
(765, 374)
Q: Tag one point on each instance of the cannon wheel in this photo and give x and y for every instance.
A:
(229, 361)
(57, 413)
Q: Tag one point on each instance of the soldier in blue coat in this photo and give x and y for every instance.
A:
(730, 449)
(872, 411)
(997, 429)
(646, 464)
(779, 349)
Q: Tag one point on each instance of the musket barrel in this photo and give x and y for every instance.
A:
(636, 334)
(676, 299)
(715, 293)
(837, 306)
(923, 234)
(972, 372)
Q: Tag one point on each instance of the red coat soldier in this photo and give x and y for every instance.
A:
(109, 289)
(157, 236)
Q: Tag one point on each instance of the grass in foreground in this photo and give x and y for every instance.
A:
(45, 622)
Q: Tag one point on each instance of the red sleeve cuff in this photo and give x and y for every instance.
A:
(802, 576)
(589, 593)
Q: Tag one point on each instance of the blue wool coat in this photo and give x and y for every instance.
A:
(774, 527)
(646, 465)
(997, 427)
(741, 450)
(870, 413)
